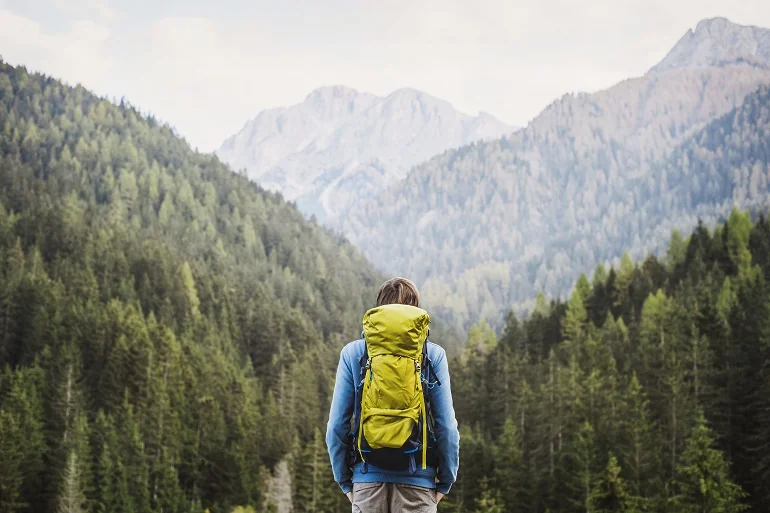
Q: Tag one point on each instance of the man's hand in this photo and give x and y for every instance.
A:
(439, 496)
(350, 497)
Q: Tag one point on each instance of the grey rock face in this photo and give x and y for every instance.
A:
(339, 145)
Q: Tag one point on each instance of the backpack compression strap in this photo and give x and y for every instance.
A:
(424, 414)
(360, 434)
(427, 384)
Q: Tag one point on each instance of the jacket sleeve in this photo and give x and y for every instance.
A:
(338, 427)
(447, 434)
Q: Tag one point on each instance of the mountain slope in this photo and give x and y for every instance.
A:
(724, 165)
(340, 146)
(160, 315)
(490, 224)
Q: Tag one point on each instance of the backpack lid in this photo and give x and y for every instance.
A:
(396, 329)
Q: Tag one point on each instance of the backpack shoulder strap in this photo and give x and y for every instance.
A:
(362, 361)
(429, 371)
(359, 388)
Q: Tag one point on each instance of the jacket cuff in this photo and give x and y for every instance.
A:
(443, 488)
(347, 486)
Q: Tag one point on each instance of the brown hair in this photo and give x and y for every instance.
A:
(400, 291)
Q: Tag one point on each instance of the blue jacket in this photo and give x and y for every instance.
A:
(338, 428)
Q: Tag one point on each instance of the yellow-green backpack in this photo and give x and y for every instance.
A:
(392, 410)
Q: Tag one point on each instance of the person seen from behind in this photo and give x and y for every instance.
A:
(392, 434)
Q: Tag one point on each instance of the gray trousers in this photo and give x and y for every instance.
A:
(392, 498)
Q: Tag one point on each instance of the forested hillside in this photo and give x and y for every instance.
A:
(647, 391)
(168, 330)
(594, 175)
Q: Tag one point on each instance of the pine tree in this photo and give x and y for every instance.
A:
(12, 458)
(22, 445)
(713, 322)
(750, 330)
(620, 293)
(510, 479)
(11, 276)
(662, 373)
(702, 479)
(583, 287)
(316, 490)
(71, 498)
(189, 299)
(134, 458)
(599, 301)
(513, 337)
(580, 469)
(677, 249)
(75, 485)
(759, 243)
(489, 501)
(610, 492)
(638, 452)
(168, 496)
(110, 477)
(738, 232)
(760, 441)
(479, 459)
(574, 325)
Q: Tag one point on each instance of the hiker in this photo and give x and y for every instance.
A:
(392, 435)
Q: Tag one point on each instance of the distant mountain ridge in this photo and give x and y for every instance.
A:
(716, 42)
(492, 223)
(340, 146)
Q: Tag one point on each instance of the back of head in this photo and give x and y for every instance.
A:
(398, 291)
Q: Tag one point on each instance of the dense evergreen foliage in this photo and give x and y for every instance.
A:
(593, 176)
(647, 391)
(168, 330)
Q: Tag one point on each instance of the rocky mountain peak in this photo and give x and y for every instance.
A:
(331, 93)
(340, 144)
(719, 42)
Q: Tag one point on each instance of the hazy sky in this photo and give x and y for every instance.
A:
(208, 66)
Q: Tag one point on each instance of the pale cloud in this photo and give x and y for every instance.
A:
(217, 78)
(208, 67)
(98, 8)
(76, 55)
(89, 32)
